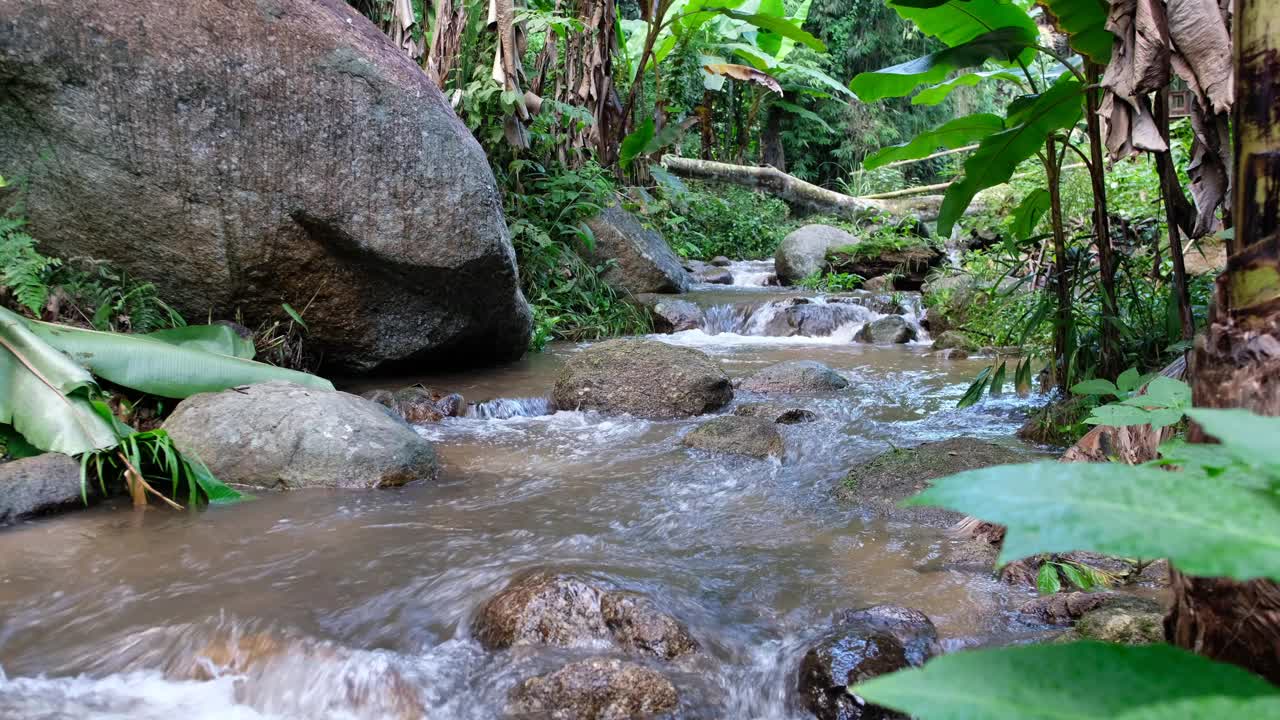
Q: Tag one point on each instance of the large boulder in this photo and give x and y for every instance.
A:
(795, 376)
(563, 610)
(645, 378)
(40, 485)
(804, 251)
(860, 645)
(594, 689)
(887, 330)
(879, 485)
(244, 154)
(643, 261)
(278, 435)
(737, 435)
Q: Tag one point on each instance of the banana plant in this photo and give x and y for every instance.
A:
(50, 400)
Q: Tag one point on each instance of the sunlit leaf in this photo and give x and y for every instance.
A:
(935, 94)
(955, 22)
(998, 156)
(956, 133)
(1076, 681)
(745, 74)
(1205, 527)
(1003, 45)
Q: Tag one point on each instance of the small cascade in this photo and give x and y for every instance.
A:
(753, 273)
(722, 319)
(834, 318)
(503, 408)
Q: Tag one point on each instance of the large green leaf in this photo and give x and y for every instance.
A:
(954, 134)
(1084, 22)
(935, 94)
(160, 368)
(958, 21)
(783, 27)
(1003, 44)
(1204, 526)
(1248, 437)
(1209, 708)
(998, 156)
(821, 78)
(1077, 681)
(220, 339)
(634, 143)
(45, 396)
(1028, 213)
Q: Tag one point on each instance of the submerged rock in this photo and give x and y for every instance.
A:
(595, 689)
(887, 330)
(715, 276)
(882, 483)
(780, 414)
(279, 435)
(40, 485)
(417, 404)
(737, 435)
(720, 261)
(862, 644)
(671, 315)
(804, 251)
(795, 376)
(323, 679)
(563, 610)
(645, 378)
(644, 263)
(220, 132)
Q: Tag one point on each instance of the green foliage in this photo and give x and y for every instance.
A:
(1052, 573)
(1084, 681)
(954, 134)
(1163, 401)
(546, 210)
(998, 155)
(24, 272)
(161, 465)
(1004, 44)
(832, 282)
(1084, 22)
(1211, 519)
(702, 221)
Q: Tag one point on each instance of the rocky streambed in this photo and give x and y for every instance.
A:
(693, 525)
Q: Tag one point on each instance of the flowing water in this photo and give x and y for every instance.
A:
(368, 596)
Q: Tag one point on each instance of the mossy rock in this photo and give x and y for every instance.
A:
(751, 436)
(879, 485)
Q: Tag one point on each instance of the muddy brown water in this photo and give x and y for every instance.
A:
(99, 607)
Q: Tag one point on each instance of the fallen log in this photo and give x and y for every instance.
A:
(802, 195)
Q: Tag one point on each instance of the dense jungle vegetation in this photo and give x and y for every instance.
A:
(1091, 251)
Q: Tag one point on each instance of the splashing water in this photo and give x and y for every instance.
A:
(505, 408)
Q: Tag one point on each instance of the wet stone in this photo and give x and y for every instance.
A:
(862, 644)
(780, 414)
(888, 330)
(566, 611)
(594, 689)
(795, 376)
(734, 434)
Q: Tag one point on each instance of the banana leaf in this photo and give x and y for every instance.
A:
(219, 339)
(160, 368)
(950, 135)
(45, 396)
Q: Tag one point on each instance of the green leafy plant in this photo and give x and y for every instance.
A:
(1160, 402)
(24, 272)
(1216, 514)
(832, 282)
(1052, 573)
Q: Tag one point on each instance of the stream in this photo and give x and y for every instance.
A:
(104, 610)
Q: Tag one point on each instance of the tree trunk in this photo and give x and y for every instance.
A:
(1062, 324)
(1178, 215)
(771, 150)
(801, 195)
(1237, 361)
(1111, 359)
